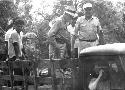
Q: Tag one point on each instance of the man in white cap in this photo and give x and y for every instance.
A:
(58, 34)
(87, 29)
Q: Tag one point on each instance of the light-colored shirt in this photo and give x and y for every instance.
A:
(14, 37)
(87, 29)
(59, 29)
(8, 34)
(71, 29)
(21, 36)
(55, 26)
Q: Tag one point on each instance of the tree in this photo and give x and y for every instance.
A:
(7, 10)
(108, 16)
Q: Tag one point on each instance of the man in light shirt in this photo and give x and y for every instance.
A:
(11, 30)
(15, 48)
(15, 41)
(7, 36)
(71, 29)
(87, 29)
(95, 81)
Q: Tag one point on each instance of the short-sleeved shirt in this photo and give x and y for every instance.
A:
(59, 29)
(14, 37)
(57, 24)
(71, 29)
(8, 34)
(87, 29)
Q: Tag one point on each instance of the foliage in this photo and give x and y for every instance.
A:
(109, 18)
(7, 10)
(37, 20)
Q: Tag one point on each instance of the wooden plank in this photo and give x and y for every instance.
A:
(29, 64)
(16, 77)
(45, 63)
(17, 64)
(45, 80)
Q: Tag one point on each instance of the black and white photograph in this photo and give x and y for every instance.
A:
(62, 44)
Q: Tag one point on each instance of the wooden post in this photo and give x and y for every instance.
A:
(54, 87)
(82, 78)
(1, 82)
(73, 73)
(35, 75)
(10, 65)
(123, 20)
(23, 70)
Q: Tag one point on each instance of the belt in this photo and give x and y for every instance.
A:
(87, 40)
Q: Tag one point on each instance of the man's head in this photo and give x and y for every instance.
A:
(18, 25)
(70, 13)
(88, 9)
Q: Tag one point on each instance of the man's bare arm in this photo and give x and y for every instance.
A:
(100, 35)
(54, 29)
(100, 75)
(51, 34)
(6, 48)
(93, 84)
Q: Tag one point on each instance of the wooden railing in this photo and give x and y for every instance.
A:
(35, 79)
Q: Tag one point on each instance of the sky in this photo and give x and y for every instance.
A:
(45, 6)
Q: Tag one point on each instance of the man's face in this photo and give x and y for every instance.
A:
(88, 11)
(19, 28)
(69, 18)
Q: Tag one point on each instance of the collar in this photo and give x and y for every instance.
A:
(16, 32)
(90, 19)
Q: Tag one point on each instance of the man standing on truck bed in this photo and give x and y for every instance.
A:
(87, 29)
(59, 35)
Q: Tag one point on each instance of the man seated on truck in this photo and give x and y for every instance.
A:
(100, 78)
(94, 81)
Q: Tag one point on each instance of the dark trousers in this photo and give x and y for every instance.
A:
(14, 71)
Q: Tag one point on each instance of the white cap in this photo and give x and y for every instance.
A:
(87, 5)
(72, 8)
(71, 11)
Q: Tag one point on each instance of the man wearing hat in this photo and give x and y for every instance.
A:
(87, 29)
(59, 35)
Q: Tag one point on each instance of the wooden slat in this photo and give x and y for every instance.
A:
(53, 59)
(45, 80)
(16, 77)
(29, 63)
(45, 63)
(59, 59)
(17, 64)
